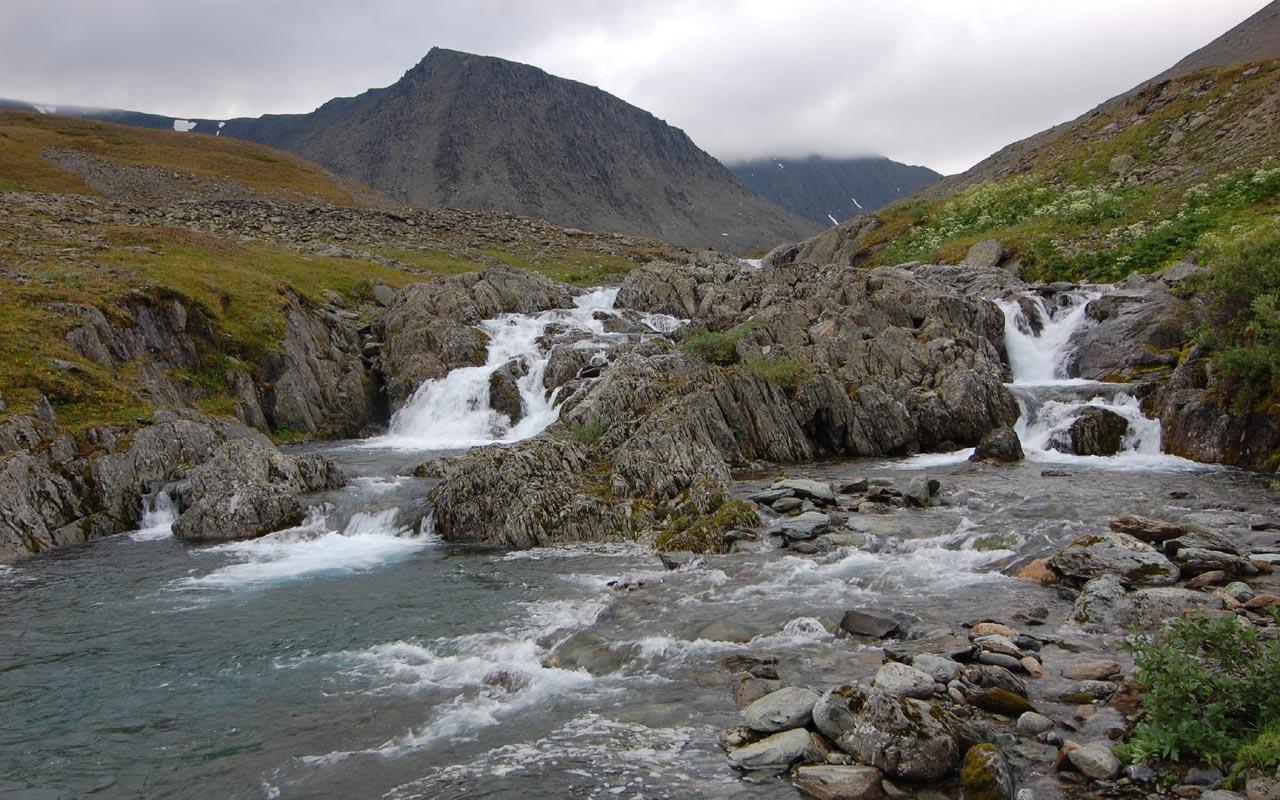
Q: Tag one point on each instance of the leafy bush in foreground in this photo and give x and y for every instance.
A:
(1208, 690)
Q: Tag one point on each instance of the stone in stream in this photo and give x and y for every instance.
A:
(1095, 760)
(1032, 724)
(852, 486)
(917, 491)
(1001, 701)
(1108, 553)
(782, 710)
(841, 782)
(784, 505)
(768, 496)
(901, 680)
(1196, 560)
(802, 487)
(1000, 445)
(1097, 432)
(942, 670)
(985, 774)
(504, 389)
(776, 752)
(902, 736)
(1147, 529)
(804, 526)
(863, 623)
(750, 688)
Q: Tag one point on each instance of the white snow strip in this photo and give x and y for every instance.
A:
(856, 203)
(183, 125)
(833, 220)
(46, 109)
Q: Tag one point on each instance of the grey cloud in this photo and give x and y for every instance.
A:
(937, 82)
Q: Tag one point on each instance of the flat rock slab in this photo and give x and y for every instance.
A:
(841, 783)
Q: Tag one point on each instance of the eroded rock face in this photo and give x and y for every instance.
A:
(430, 328)
(248, 489)
(55, 498)
(879, 362)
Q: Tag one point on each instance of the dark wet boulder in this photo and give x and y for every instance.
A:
(999, 446)
(248, 489)
(1097, 432)
(504, 389)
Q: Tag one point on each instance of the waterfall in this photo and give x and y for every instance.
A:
(158, 515)
(454, 413)
(1039, 351)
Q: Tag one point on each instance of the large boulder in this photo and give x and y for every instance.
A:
(1000, 446)
(1105, 602)
(902, 736)
(1109, 553)
(504, 389)
(776, 752)
(248, 489)
(1136, 329)
(786, 708)
(985, 774)
(1097, 432)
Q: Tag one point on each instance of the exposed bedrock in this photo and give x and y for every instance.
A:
(822, 361)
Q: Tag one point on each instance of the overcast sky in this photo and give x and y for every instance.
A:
(935, 82)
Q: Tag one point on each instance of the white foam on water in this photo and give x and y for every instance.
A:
(453, 412)
(1040, 358)
(373, 484)
(617, 759)
(368, 541)
(582, 550)
(158, 515)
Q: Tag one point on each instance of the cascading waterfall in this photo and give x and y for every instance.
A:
(1051, 400)
(158, 515)
(453, 412)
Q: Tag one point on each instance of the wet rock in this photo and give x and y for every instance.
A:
(1000, 446)
(750, 688)
(504, 390)
(854, 486)
(1032, 724)
(901, 680)
(1204, 580)
(916, 492)
(785, 505)
(248, 489)
(985, 774)
(902, 736)
(1038, 571)
(1110, 553)
(1095, 760)
(862, 623)
(804, 488)
(786, 708)
(1001, 701)
(1097, 432)
(1195, 560)
(677, 559)
(840, 782)
(804, 526)
(776, 752)
(769, 496)
(1147, 529)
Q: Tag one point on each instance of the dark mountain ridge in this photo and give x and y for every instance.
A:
(830, 190)
(483, 133)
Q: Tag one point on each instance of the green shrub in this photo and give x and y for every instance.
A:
(586, 434)
(1262, 754)
(1243, 324)
(704, 533)
(715, 347)
(1207, 688)
(786, 372)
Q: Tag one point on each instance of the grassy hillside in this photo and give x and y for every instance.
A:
(65, 243)
(1178, 170)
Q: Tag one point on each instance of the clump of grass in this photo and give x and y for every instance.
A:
(788, 373)
(715, 347)
(587, 433)
(704, 533)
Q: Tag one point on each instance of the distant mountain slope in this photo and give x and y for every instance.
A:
(483, 133)
(831, 190)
